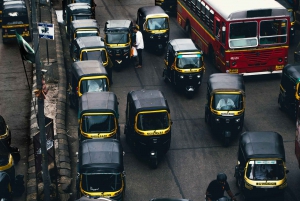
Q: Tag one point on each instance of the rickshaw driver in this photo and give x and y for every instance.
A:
(216, 188)
(223, 103)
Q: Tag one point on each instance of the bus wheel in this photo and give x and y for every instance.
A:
(188, 29)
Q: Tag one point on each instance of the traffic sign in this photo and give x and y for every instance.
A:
(46, 30)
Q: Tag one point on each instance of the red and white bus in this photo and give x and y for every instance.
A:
(247, 37)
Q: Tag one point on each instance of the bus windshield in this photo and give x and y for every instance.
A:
(157, 23)
(243, 34)
(273, 32)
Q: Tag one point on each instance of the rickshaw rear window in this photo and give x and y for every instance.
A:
(81, 17)
(265, 170)
(101, 182)
(189, 61)
(227, 102)
(153, 121)
(94, 55)
(98, 123)
(117, 38)
(158, 23)
(96, 85)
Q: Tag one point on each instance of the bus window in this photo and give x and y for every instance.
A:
(207, 15)
(243, 34)
(273, 31)
(218, 29)
(202, 11)
(198, 8)
(193, 5)
(211, 19)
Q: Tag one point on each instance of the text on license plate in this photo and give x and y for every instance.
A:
(279, 67)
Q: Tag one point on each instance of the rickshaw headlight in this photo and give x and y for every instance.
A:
(292, 28)
(109, 51)
(217, 119)
(181, 76)
(237, 120)
(151, 37)
(166, 36)
(198, 76)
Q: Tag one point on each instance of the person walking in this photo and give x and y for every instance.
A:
(216, 188)
(139, 44)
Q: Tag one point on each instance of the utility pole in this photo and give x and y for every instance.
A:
(41, 114)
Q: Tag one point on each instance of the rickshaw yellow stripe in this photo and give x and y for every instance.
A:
(8, 165)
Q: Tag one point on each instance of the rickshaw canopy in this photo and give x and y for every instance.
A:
(225, 81)
(152, 11)
(264, 144)
(84, 24)
(293, 72)
(183, 45)
(88, 68)
(92, 102)
(90, 42)
(100, 156)
(148, 100)
(79, 8)
(119, 25)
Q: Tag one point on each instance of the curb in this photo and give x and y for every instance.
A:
(61, 139)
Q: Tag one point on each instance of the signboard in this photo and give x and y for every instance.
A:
(46, 30)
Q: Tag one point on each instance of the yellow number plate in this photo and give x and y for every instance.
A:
(279, 67)
(234, 70)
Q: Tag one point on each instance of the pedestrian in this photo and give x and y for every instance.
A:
(109, 70)
(139, 44)
(216, 188)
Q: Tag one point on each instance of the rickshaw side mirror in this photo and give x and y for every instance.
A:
(287, 171)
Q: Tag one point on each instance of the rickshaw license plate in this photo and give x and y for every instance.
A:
(279, 67)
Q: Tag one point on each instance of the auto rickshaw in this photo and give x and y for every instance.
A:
(86, 76)
(91, 2)
(5, 187)
(289, 94)
(89, 48)
(148, 124)
(7, 165)
(225, 107)
(117, 40)
(76, 11)
(98, 116)
(15, 19)
(184, 65)
(261, 169)
(85, 198)
(154, 25)
(100, 169)
(167, 5)
(83, 28)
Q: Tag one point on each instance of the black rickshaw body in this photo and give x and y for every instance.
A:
(225, 107)
(167, 5)
(100, 169)
(289, 92)
(184, 65)
(15, 19)
(7, 165)
(148, 124)
(5, 133)
(154, 25)
(86, 76)
(89, 48)
(292, 14)
(98, 116)
(76, 11)
(83, 28)
(261, 167)
(118, 34)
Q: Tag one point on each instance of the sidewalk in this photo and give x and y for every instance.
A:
(51, 57)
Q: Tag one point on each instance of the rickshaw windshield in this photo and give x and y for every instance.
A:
(101, 182)
(97, 85)
(265, 170)
(86, 33)
(227, 102)
(98, 123)
(15, 17)
(189, 61)
(117, 38)
(158, 23)
(94, 55)
(153, 121)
